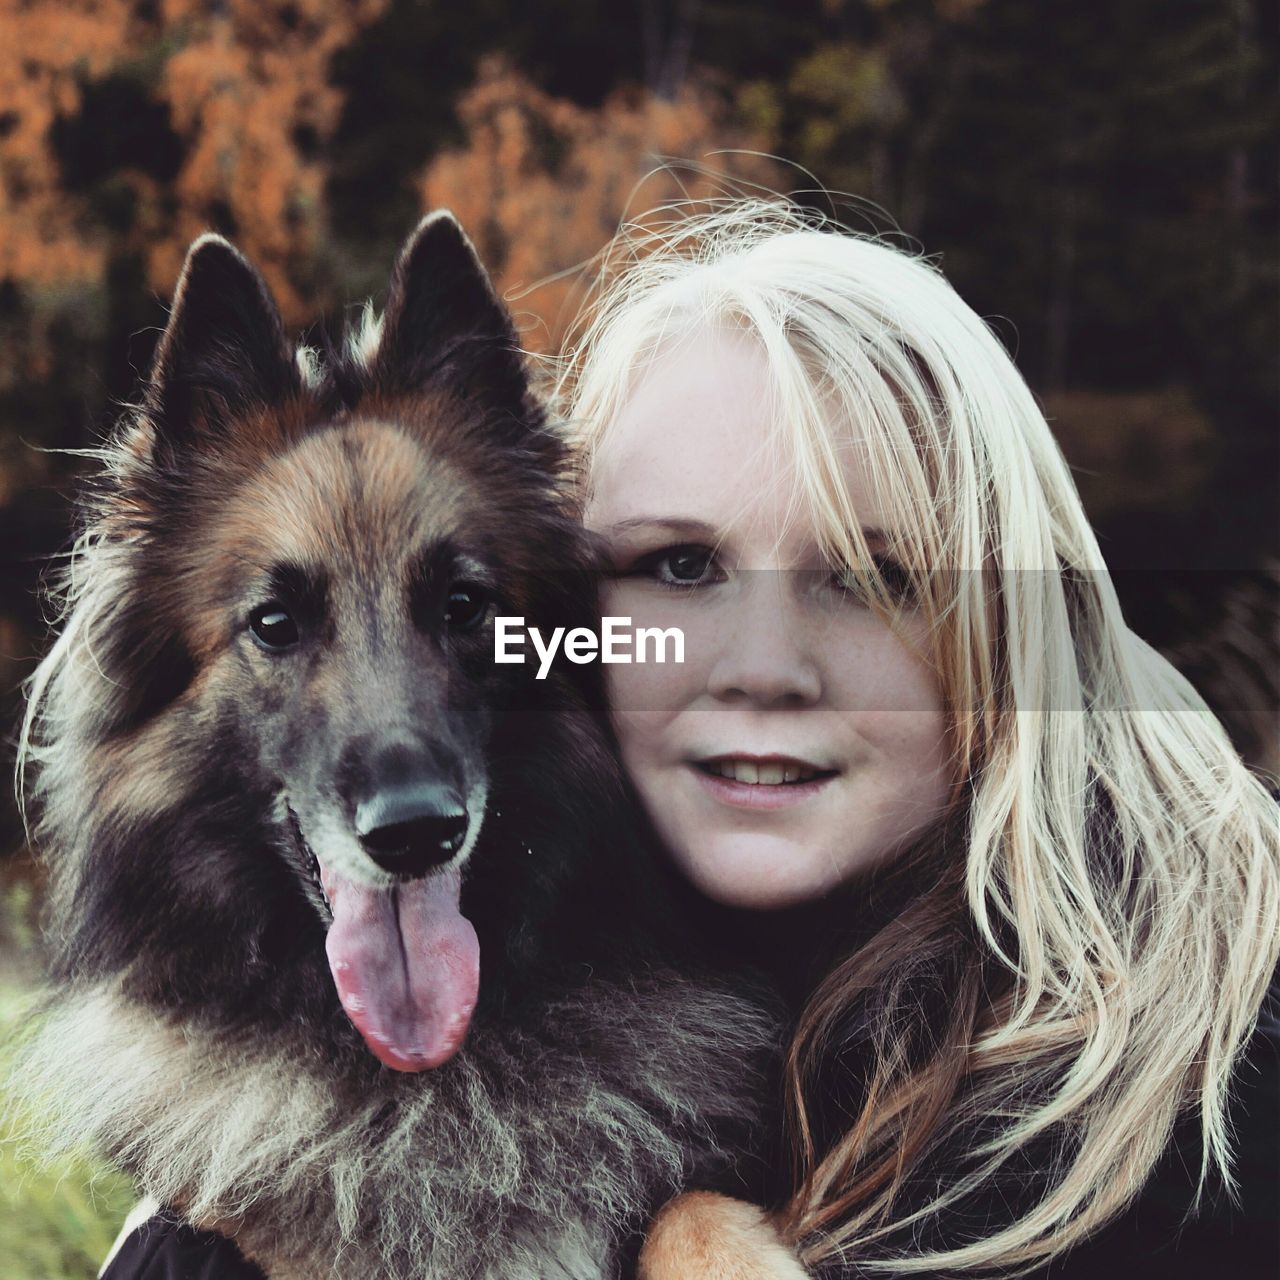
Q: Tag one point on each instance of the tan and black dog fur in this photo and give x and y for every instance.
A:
(279, 607)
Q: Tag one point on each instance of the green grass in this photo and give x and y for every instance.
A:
(57, 1220)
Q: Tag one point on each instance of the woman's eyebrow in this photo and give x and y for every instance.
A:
(689, 527)
(681, 526)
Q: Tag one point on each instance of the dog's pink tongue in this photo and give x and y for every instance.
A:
(406, 964)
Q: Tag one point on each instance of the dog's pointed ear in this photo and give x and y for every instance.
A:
(445, 324)
(223, 353)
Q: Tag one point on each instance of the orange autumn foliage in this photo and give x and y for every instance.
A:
(244, 81)
(45, 50)
(541, 183)
(247, 83)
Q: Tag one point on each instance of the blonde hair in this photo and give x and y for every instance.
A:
(1102, 912)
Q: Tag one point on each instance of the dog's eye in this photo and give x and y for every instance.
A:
(468, 604)
(273, 627)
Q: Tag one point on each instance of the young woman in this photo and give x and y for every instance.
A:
(1037, 893)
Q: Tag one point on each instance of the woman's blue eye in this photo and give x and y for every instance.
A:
(897, 581)
(688, 564)
(681, 566)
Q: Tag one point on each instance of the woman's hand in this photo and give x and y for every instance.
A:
(704, 1236)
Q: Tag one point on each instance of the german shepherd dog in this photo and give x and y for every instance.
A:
(354, 943)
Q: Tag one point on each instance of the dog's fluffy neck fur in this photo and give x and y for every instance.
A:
(484, 1168)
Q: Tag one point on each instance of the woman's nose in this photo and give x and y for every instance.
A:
(763, 655)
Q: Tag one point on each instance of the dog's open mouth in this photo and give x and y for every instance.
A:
(310, 865)
(405, 961)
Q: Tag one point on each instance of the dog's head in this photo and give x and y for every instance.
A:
(306, 557)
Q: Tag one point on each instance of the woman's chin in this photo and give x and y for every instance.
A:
(760, 872)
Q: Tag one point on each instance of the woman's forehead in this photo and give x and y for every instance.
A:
(698, 437)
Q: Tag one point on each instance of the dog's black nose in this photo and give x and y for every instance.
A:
(410, 829)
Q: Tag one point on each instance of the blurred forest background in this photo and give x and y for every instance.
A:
(1099, 179)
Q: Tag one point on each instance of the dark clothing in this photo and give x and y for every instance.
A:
(161, 1249)
(1242, 1242)
(1155, 1239)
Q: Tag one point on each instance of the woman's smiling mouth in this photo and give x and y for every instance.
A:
(760, 782)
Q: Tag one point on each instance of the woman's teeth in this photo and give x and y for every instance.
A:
(766, 775)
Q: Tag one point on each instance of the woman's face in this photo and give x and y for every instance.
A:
(802, 740)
